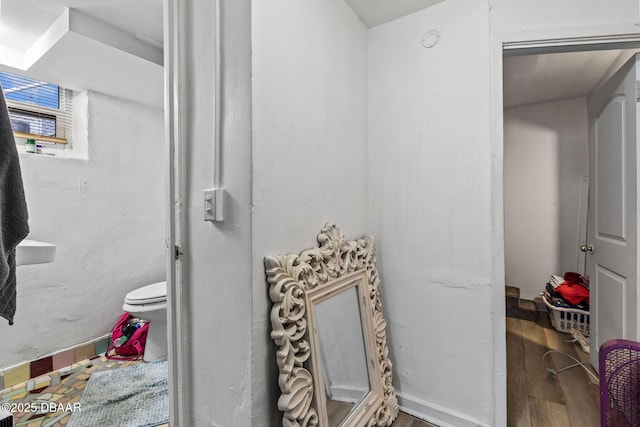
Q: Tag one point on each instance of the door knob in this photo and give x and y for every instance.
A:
(587, 248)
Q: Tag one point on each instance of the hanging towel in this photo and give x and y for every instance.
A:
(13, 213)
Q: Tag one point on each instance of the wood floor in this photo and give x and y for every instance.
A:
(537, 398)
(337, 411)
(405, 420)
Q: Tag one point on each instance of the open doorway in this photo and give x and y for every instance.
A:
(546, 164)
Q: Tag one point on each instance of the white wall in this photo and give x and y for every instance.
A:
(434, 183)
(509, 16)
(105, 214)
(545, 157)
(436, 192)
(217, 257)
(309, 148)
(430, 205)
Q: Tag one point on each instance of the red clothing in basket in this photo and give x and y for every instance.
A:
(573, 293)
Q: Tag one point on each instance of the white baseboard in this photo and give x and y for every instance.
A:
(436, 414)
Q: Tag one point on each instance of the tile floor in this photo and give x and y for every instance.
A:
(41, 367)
(61, 388)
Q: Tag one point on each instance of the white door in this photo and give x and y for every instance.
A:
(612, 266)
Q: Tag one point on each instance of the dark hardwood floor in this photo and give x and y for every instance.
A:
(405, 420)
(337, 411)
(537, 398)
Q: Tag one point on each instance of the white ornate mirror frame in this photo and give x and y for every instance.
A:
(296, 284)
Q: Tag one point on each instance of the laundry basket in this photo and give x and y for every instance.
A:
(565, 319)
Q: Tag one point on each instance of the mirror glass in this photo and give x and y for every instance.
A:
(329, 331)
(342, 353)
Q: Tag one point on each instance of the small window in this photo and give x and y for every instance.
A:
(38, 110)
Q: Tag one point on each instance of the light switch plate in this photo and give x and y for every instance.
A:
(214, 204)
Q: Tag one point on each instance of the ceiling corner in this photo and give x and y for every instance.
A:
(378, 12)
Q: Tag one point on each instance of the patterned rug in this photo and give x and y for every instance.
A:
(135, 396)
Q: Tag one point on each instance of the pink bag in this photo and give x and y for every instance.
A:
(133, 347)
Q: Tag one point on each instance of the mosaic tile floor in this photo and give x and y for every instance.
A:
(50, 399)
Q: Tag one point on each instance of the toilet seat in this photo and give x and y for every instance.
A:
(150, 294)
(150, 303)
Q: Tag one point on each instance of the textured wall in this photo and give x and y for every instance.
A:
(217, 257)
(431, 194)
(106, 216)
(309, 148)
(431, 207)
(436, 191)
(545, 157)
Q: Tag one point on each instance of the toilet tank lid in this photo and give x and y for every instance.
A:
(154, 292)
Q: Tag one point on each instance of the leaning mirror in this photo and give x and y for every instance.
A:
(330, 335)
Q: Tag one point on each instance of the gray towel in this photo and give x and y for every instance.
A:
(13, 213)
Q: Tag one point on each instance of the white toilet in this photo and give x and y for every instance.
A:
(150, 303)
